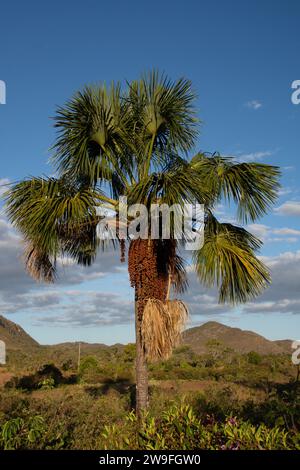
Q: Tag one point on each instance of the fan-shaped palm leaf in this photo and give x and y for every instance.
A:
(252, 186)
(227, 260)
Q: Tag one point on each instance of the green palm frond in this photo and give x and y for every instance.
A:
(41, 207)
(252, 186)
(177, 183)
(227, 260)
(163, 115)
(90, 128)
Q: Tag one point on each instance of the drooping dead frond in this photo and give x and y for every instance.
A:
(179, 313)
(162, 325)
(38, 264)
(178, 274)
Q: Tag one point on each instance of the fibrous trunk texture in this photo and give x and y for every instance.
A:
(158, 321)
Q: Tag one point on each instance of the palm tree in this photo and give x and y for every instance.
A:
(135, 143)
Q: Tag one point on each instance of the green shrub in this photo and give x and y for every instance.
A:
(254, 358)
(47, 384)
(18, 433)
(89, 370)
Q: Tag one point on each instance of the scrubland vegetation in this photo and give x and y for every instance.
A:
(219, 400)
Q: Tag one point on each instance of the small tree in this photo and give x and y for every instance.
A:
(88, 367)
(254, 358)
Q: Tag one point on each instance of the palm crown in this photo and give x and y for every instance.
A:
(134, 143)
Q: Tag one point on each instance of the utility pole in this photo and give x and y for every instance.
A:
(79, 352)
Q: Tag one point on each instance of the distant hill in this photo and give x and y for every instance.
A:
(14, 336)
(197, 338)
(234, 338)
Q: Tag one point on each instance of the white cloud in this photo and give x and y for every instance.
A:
(286, 231)
(285, 191)
(281, 306)
(90, 309)
(289, 208)
(20, 293)
(3, 185)
(266, 233)
(282, 296)
(252, 156)
(253, 104)
(259, 230)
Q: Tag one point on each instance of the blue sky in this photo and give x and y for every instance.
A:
(241, 57)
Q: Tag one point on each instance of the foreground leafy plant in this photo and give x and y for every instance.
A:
(18, 433)
(180, 428)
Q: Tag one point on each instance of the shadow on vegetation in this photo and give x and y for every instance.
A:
(48, 376)
(123, 387)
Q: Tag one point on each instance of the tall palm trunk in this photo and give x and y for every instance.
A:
(149, 281)
(141, 364)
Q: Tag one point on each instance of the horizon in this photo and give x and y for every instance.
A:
(118, 343)
(241, 60)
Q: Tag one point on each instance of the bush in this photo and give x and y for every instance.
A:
(47, 384)
(281, 408)
(89, 370)
(254, 358)
(74, 419)
(18, 433)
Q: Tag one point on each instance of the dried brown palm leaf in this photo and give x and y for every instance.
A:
(178, 312)
(162, 325)
(38, 264)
